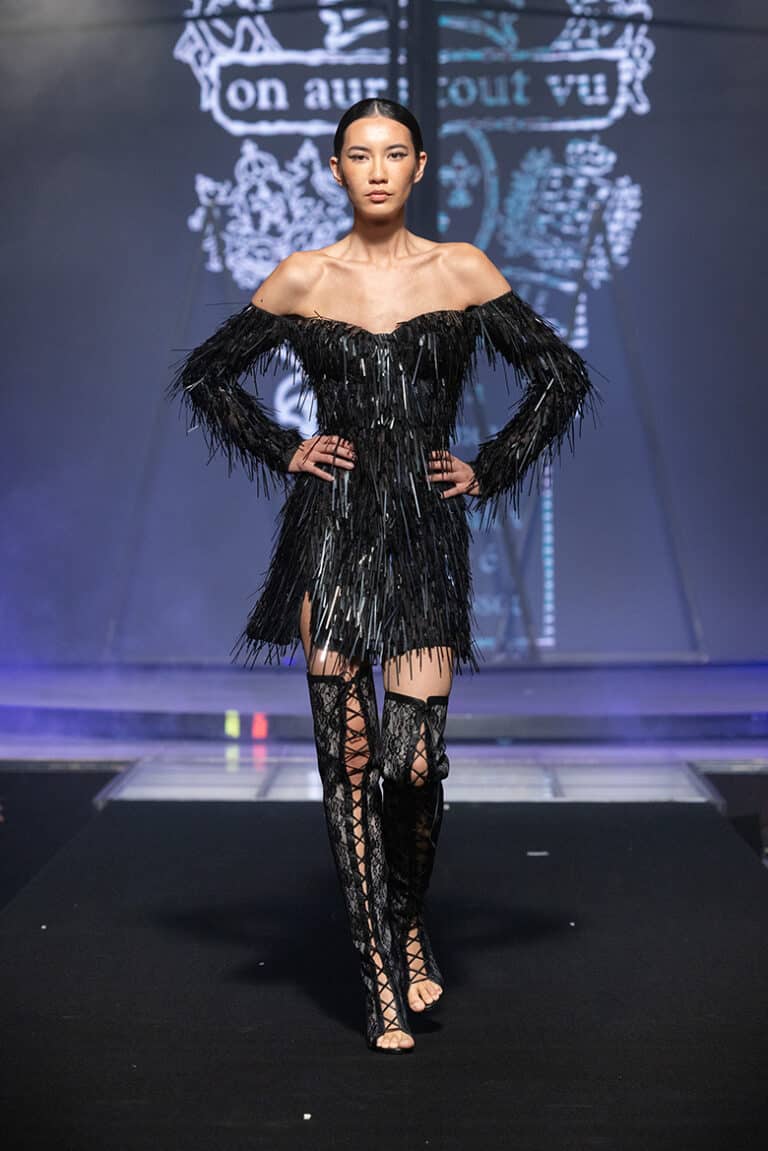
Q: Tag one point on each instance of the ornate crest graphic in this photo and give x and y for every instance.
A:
(491, 86)
(251, 223)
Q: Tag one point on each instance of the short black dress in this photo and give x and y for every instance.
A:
(382, 555)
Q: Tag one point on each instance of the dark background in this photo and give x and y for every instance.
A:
(117, 543)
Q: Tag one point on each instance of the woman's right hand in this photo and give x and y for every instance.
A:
(322, 450)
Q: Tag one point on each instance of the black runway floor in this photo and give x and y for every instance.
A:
(39, 812)
(181, 976)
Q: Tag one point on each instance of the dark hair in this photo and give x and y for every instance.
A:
(378, 106)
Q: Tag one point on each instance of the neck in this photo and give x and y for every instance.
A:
(380, 242)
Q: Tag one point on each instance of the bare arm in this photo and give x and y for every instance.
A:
(478, 277)
(287, 288)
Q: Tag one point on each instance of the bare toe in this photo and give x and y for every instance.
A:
(395, 1039)
(415, 1001)
(421, 994)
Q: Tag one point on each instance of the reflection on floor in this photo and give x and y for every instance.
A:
(287, 771)
(492, 774)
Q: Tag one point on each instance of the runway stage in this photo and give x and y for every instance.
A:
(180, 975)
(178, 972)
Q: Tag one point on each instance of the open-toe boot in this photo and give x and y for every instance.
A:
(413, 763)
(346, 729)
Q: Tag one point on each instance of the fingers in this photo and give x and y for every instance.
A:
(340, 453)
(333, 458)
(335, 445)
(445, 467)
(313, 470)
(331, 450)
(440, 467)
(460, 489)
(443, 459)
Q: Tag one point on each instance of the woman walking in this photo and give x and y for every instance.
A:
(371, 563)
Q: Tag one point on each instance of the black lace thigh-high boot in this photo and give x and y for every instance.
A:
(413, 763)
(346, 728)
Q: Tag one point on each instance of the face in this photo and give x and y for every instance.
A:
(378, 165)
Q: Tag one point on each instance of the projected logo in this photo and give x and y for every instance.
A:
(522, 171)
(557, 216)
(490, 85)
(251, 83)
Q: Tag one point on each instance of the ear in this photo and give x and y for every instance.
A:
(336, 171)
(421, 165)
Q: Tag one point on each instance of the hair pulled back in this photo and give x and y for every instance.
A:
(378, 106)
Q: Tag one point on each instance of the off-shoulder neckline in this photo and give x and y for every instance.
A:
(299, 317)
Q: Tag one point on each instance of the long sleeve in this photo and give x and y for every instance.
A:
(234, 421)
(556, 387)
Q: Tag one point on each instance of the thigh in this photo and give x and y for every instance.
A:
(420, 672)
(322, 661)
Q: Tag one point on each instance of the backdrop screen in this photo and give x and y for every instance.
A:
(160, 160)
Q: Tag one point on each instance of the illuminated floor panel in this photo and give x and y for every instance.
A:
(516, 772)
(290, 774)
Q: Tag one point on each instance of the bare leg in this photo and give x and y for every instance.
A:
(346, 725)
(414, 764)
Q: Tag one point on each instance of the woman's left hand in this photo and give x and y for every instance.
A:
(445, 466)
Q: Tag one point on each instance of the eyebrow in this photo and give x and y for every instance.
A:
(365, 148)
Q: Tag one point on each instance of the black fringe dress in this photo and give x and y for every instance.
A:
(383, 556)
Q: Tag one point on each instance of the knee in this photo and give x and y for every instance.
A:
(412, 739)
(344, 714)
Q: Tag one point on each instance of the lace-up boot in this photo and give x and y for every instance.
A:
(413, 763)
(346, 730)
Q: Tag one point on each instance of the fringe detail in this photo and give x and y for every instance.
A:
(234, 422)
(556, 386)
(383, 557)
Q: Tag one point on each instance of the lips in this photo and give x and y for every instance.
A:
(378, 195)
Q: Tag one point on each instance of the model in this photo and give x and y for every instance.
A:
(371, 563)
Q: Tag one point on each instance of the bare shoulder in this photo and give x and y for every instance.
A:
(479, 277)
(286, 287)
